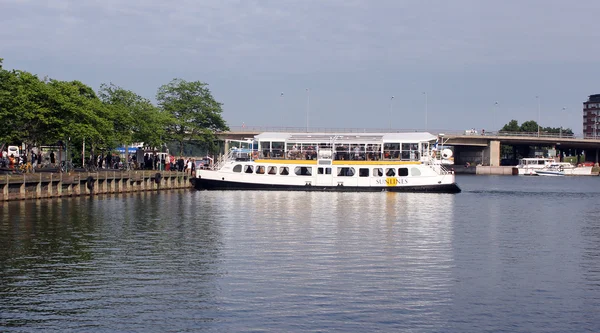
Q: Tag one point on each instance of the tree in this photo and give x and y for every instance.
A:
(512, 126)
(135, 118)
(196, 114)
(529, 126)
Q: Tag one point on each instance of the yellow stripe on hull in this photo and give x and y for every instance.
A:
(376, 162)
(302, 162)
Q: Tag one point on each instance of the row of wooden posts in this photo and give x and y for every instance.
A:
(51, 185)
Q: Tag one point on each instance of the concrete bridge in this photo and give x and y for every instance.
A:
(469, 146)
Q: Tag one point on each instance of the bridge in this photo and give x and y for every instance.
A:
(469, 146)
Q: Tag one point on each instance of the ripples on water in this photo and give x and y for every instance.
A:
(509, 254)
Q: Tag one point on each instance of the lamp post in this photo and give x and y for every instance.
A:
(426, 125)
(538, 122)
(494, 114)
(391, 100)
(563, 110)
(307, 106)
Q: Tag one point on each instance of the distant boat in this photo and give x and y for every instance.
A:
(529, 166)
(567, 169)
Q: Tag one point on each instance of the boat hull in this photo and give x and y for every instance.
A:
(550, 173)
(211, 184)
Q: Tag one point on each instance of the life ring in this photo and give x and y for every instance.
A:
(90, 183)
(157, 177)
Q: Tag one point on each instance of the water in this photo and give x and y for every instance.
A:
(508, 254)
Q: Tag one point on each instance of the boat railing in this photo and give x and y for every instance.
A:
(438, 166)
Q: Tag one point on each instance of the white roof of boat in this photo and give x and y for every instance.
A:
(325, 137)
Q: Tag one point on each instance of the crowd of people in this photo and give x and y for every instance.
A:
(15, 161)
(151, 161)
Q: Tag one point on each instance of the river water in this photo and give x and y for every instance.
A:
(508, 254)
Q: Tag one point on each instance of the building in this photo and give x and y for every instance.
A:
(591, 110)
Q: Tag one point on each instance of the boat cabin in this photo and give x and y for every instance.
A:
(337, 147)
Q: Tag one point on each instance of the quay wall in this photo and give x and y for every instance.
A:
(54, 185)
(483, 170)
(494, 170)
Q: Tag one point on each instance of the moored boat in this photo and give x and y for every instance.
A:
(528, 166)
(395, 162)
(564, 169)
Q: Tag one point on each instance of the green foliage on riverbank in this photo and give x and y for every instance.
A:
(44, 111)
(531, 126)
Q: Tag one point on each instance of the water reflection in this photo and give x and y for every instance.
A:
(493, 258)
(67, 262)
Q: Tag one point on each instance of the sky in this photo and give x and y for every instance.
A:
(449, 65)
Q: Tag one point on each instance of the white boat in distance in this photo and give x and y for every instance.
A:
(564, 169)
(395, 162)
(553, 170)
(528, 166)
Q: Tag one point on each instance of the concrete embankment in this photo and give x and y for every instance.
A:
(483, 170)
(53, 185)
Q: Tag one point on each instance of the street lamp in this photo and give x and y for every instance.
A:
(426, 125)
(563, 109)
(307, 106)
(494, 115)
(538, 122)
(391, 100)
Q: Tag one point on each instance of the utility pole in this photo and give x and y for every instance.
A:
(391, 100)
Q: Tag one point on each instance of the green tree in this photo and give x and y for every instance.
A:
(135, 118)
(512, 126)
(196, 114)
(529, 126)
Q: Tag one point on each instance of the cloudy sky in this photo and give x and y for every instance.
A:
(352, 55)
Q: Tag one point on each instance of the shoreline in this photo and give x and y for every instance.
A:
(43, 185)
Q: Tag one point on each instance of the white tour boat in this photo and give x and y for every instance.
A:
(395, 162)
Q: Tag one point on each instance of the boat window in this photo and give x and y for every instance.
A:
(272, 170)
(391, 151)
(237, 168)
(303, 171)
(284, 171)
(410, 151)
(415, 171)
(260, 169)
(378, 172)
(357, 152)
(390, 172)
(342, 152)
(277, 149)
(326, 171)
(373, 152)
(249, 169)
(363, 172)
(345, 172)
(265, 146)
(403, 172)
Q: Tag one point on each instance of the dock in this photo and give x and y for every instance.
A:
(55, 185)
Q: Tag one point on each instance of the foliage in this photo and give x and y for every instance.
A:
(532, 127)
(45, 111)
(512, 126)
(196, 114)
(134, 118)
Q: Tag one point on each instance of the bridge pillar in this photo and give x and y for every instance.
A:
(491, 154)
